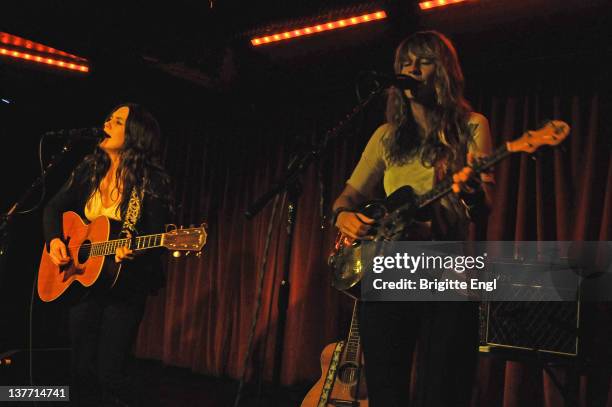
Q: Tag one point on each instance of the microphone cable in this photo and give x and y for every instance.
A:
(258, 301)
(31, 336)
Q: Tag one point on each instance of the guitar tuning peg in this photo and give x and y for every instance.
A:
(199, 254)
(187, 253)
(170, 227)
(176, 254)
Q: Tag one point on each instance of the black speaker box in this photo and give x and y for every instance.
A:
(542, 326)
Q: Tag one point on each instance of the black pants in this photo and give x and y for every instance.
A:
(446, 335)
(102, 332)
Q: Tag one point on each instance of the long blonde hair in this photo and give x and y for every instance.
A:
(448, 113)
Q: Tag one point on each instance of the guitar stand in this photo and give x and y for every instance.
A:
(569, 390)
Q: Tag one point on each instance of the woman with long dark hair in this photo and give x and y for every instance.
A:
(122, 176)
(430, 133)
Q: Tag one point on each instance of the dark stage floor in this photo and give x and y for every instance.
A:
(164, 386)
(179, 387)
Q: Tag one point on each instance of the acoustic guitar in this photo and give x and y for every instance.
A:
(342, 382)
(92, 253)
(394, 214)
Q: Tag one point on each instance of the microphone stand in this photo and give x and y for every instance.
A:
(7, 217)
(290, 184)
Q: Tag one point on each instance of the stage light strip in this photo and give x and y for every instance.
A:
(314, 29)
(44, 60)
(426, 5)
(31, 46)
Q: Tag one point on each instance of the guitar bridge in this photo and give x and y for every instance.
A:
(344, 403)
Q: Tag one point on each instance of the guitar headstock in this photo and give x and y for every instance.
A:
(553, 133)
(185, 239)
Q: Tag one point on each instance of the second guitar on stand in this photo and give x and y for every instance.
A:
(342, 382)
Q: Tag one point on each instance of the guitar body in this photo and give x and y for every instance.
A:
(53, 281)
(342, 382)
(345, 259)
(92, 253)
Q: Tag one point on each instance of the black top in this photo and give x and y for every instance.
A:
(144, 273)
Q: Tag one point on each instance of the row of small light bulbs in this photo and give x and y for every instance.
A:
(425, 5)
(332, 25)
(43, 60)
(23, 43)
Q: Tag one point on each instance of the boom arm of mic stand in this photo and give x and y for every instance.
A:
(7, 217)
(300, 163)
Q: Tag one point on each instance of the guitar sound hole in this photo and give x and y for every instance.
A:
(84, 251)
(348, 373)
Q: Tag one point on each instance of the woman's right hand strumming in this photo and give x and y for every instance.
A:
(58, 252)
(351, 223)
(354, 224)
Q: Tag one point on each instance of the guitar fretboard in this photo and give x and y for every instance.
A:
(140, 243)
(354, 341)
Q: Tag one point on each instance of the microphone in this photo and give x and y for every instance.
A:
(399, 81)
(86, 134)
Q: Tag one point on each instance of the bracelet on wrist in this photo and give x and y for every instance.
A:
(337, 212)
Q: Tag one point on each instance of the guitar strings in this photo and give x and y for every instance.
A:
(109, 242)
(125, 240)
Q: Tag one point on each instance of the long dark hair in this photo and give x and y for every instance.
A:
(140, 160)
(448, 113)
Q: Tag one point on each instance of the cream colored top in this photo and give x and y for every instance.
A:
(94, 208)
(374, 166)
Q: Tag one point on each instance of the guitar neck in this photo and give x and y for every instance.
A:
(353, 342)
(445, 186)
(140, 243)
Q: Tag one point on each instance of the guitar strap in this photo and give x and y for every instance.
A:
(132, 214)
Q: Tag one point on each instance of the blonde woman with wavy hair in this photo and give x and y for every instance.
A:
(430, 133)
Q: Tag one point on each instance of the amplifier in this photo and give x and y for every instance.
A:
(542, 326)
